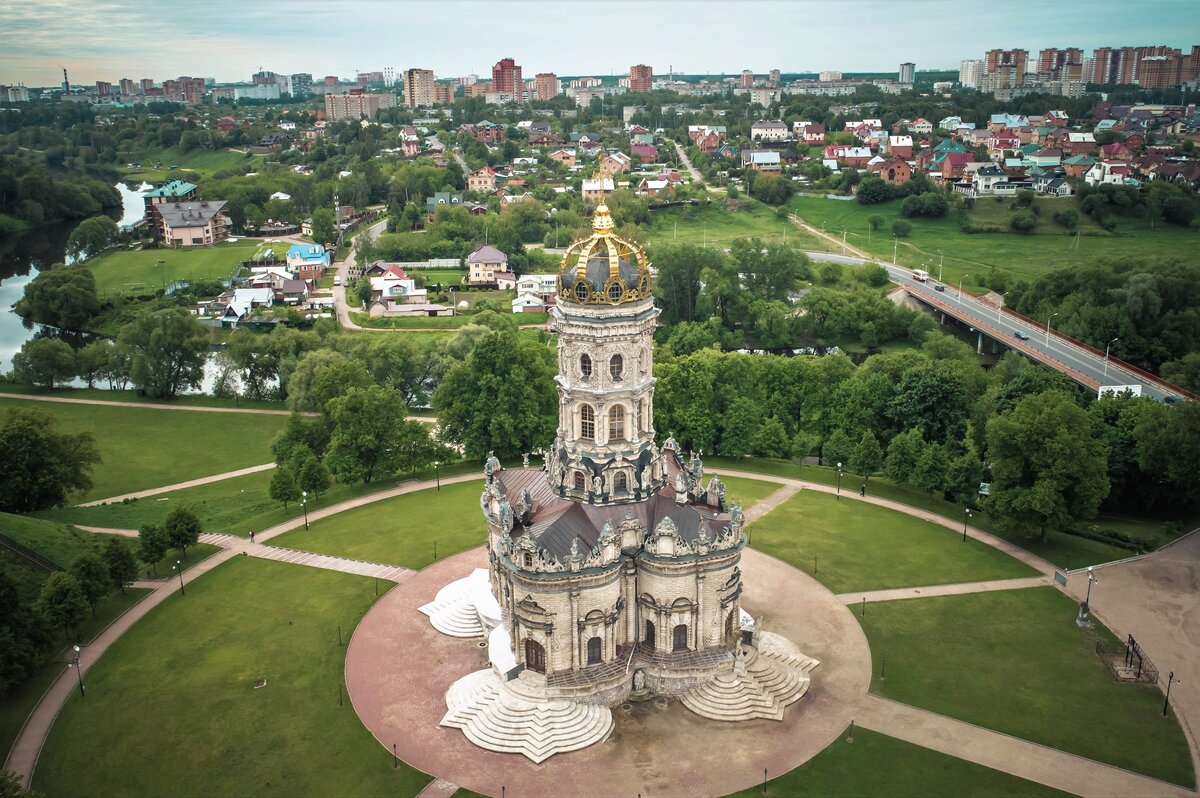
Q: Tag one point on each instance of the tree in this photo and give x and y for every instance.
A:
(873, 191)
(298, 432)
(837, 449)
(933, 399)
(122, 565)
(91, 361)
(963, 475)
(903, 453)
(771, 439)
(501, 398)
(678, 282)
(23, 636)
(1047, 468)
(875, 220)
(168, 349)
(930, 472)
(312, 475)
(901, 228)
(1023, 221)
(284, 488)
(322, 375)
(90, 570)
(91, 237)
(152, 545)
(42, 466)
(183, 528)
(323, 230)
(62, 602)
(44, 361)
(1168, 447)
(61, 296)
(867, 458)
(372, 436)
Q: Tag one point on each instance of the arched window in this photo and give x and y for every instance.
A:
(587, 422)
(614, 292)
(649, 637)
(616, 423)
(681, 637)
(528, 560)
(595, 647)
(620, 483)
(535, 656)
(585, 366)
(579, 484)
(642, 415)
(616, 367)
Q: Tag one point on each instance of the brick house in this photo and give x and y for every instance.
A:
(482, 180)
(647, 152)
(900, 146)
(483, 264)
(893, 170)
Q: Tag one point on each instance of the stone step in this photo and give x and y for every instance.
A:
(766, 681)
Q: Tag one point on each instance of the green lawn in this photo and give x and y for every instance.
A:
(852, 546)
(401, 531)
(203, 163)
(171, 707)
(134, 272)
(719, 225)
(103, 394)
(57, 542)
(430, 323)
(1014, 661)
(877, 765)
(443, 276)
(747, 492)
(1048, 247)
(144, 448)
(1061, 549)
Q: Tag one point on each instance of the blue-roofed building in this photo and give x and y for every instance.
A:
(308, 261)
(1001, 121)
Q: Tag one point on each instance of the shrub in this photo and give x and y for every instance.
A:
(1023, 221)
(901, 228)
(1067, 217)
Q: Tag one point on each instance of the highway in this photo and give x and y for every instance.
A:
(1077, 362)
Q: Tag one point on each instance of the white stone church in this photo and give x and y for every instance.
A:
(614, 568)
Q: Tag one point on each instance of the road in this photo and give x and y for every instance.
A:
(343, 271)
(696, 176)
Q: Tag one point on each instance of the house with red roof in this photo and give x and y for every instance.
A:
(1117, 151)
(647, 152)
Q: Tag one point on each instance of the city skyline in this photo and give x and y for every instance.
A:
(117, 38)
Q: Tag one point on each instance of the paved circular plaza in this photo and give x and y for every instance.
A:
(398, 668)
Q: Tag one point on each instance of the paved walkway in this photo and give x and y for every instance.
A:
(959, 589)
(1031, 761)
(392, 573)
(191, 483)
(22, 759)
(438, 788)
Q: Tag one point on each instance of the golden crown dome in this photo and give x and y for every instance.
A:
(604, 269)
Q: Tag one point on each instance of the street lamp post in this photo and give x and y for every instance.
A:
(895, 248)
(74, 663)
(1085, 609)
(839, 484)
(941, 260)
(960, 282)
(437, 469)
(1106, 347)
(1052, 315)
(304, 506)
(1170, 678)
(179, 570)
(966, 518)
(1000, 307)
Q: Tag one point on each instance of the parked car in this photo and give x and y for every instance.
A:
(1020, 335)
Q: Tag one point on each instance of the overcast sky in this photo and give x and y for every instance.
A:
(226, 40)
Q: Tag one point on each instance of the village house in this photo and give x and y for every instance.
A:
(845, 155)
(766, 161)
(921, 126)
(900, 146)
(767, 130)
(647, 152)
(894, 170)
(192, 224)
(565, 157)
(595, 188)
(1114, 172)
(652, 188)
(614, 163)
(811, 133)
(483, 264)
(483, 179)
(308, 261)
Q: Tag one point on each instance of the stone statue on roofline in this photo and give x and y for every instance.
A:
(491, 467)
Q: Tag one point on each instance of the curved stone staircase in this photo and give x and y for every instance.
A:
(464, 608)
(763, 682)
(516, 717)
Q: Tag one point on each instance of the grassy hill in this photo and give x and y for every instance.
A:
(139, 272)
(203, 163)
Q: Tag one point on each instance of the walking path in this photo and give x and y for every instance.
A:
(392, 573)
(959, 589)
(438, 788)
(1039, 763)
(156, 406)
(191, 483)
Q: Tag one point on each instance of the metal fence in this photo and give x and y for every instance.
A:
(1126, 661)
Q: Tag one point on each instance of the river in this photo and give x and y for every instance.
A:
(22, 256)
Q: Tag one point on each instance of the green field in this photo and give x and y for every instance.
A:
(747, 492)
(1014, 661)
(431, 323)
(132, 396)
(134, 272)
(874, 764)
(144, 448)
(852, 546)
(1061, 549)
(1048, 247)
(717, 225)
(171, 708)
(204, 163)
(403, 531)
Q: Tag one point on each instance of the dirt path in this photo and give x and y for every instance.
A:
(847, 249)
(191, 483)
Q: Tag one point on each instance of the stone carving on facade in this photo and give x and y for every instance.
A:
(681, 488)
(714, 494)
(597, 486)
(670, 444)
(492, 467)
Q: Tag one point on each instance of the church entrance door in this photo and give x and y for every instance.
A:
(649, 638)
(681, 641)
(535, 656)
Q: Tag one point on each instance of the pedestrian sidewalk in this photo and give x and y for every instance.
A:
(958, 589)
(393, 573)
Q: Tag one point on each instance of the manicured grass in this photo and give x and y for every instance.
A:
(443, 276)
(1049, 247)
(877, 765)
(171, 707)
(403, 531)
(135, 272)
(424, 323)
(144, 448)
(1061, 549)
(1014, 661)
(746, 492)
(852, 546)
(163, 569)
(202, 162)
(55, 541)
(717, 224)
(103, 394)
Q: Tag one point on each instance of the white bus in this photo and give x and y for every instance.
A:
(920, 275)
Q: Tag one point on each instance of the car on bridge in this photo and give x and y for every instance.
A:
(1020, 335)
(939, 287)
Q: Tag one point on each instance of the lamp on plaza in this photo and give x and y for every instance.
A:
(1106, 348)
(1085, 608)
(437, 470)
(304, 506)
(178, 567)
(74, 663)
(966, 518)
(1170, 679)
(1052, 315)
(839, 484)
